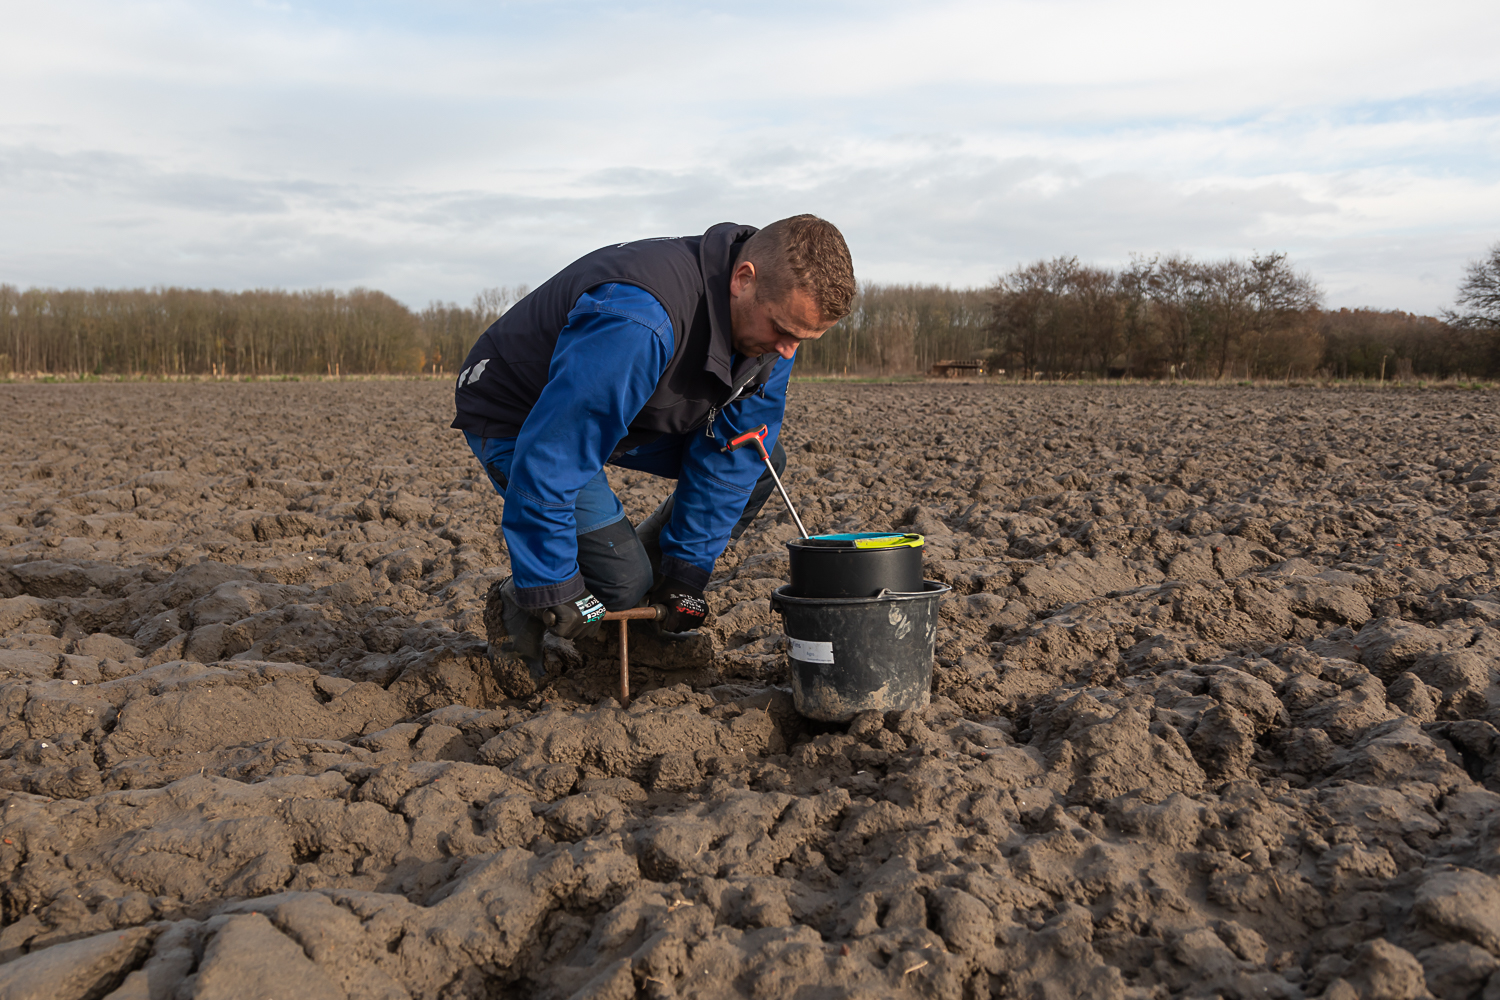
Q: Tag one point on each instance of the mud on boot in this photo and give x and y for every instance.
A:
(516, 653)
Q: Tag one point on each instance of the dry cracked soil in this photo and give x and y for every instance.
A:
(1214, 710)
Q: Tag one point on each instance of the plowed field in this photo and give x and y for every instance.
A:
(1214, 711)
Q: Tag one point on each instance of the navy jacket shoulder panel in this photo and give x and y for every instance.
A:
(688, 275)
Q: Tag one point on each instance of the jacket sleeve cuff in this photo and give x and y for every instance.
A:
(547, 595)
(685, 571)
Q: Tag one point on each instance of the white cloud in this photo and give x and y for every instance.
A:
(432, 150)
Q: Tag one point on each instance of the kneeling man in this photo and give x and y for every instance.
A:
(648, 355)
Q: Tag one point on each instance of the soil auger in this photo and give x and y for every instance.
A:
(653, 613)
(759, 437)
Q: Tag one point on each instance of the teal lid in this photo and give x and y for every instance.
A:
(870, 540)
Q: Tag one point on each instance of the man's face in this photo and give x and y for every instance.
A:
(760, 326)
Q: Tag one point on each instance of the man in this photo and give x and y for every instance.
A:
(650, 356)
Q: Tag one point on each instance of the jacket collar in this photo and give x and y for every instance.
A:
(717, 253)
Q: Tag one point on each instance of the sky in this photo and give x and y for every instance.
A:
(433, 149)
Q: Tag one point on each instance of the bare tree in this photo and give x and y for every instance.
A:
(1480, 291)
(1479, 298)
(1176, 289)
(1034, 316)
(1140, 350)
(1479, 304)
(1280, 299)
(492, 303)
(895, 340)
(901, 328)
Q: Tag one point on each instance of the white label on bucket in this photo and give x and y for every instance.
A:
(812, 652)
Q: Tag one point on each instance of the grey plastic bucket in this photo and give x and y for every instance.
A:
(856, 654)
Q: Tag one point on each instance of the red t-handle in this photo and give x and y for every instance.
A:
(758, 436)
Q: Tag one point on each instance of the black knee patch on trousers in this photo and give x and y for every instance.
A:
(649, 532)
(615, 566)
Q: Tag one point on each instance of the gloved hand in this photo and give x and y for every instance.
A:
(575, 619)
(686, 607)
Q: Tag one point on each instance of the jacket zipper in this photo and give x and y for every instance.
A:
(734, 393)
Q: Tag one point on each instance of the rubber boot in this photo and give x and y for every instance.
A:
(515, 637)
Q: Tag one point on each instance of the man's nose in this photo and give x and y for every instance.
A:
(786, 350)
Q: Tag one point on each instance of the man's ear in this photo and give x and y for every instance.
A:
(742, 279)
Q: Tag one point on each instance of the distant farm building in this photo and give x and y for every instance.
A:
(956, 369)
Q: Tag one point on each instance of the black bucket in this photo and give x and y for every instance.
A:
(855, 565)
(856, 654)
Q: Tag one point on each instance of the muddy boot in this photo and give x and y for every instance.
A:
(515, 637)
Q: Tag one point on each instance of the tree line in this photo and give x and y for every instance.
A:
(1257, 318)
(1161, 317)
(184, 331)
(895, 329)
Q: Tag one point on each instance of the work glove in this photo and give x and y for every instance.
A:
(686, 607)
(575, 619)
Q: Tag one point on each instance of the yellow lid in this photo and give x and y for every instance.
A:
(890, 542)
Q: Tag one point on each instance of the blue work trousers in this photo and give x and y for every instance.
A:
(620, 566)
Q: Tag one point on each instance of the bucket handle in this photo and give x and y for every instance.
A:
(776, 605)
